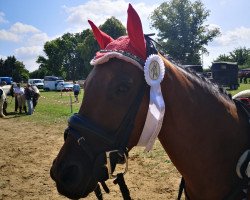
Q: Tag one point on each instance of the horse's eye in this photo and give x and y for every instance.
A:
(122, 89)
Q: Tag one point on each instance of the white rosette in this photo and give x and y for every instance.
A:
(154, 71)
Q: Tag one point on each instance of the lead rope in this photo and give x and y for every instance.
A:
(98, 192)
(123, 187)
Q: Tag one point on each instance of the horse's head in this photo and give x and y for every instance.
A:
(114, 101)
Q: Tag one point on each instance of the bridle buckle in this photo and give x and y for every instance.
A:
(110, 173)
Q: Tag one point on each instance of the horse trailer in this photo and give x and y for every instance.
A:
(225, 74)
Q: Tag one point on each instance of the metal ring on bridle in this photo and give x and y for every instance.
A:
(111, 175)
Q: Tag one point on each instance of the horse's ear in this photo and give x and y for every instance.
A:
(102, 38)
(135, 32)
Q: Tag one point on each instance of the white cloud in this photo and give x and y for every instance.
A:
(99, 11)
(8, 36)
(28, 51)
(38, 39)
(19, 32)
(237, 37)
(2, 18)
(227, 42)
(30, 63)
(23, 28)
(28, 55)
(3, 57)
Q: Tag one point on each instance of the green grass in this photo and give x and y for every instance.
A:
(52, 107)
(241, 88)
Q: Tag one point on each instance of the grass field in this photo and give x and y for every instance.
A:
(241, 88)
(53, 107)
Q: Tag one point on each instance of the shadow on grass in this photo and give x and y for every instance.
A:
(14, 115)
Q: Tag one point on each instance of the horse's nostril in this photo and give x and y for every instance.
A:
(70, 176)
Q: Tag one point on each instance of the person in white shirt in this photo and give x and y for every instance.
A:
(19, 93)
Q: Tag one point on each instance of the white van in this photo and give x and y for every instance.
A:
(51, 82)
(37, 82)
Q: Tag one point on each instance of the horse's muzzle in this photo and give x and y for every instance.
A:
(70, 181)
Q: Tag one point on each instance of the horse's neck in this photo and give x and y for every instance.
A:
(188, 100)
(199, 127)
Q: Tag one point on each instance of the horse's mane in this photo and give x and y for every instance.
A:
(203, 81)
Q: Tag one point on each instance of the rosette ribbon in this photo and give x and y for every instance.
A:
(154, 71)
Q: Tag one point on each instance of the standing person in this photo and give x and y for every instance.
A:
(28, 91)
(35, 96)
(2, 100)
(19, 93)
(12, 93)
(76, 90)
(5, 103)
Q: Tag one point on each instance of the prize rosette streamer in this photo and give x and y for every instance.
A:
(154, 71)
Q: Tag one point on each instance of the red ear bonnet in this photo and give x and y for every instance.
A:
(102, 38)
(131, 48)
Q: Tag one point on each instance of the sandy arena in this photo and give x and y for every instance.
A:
(28, 149)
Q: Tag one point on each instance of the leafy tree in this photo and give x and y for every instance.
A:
(69, 56)
(113, 27)
(224, 57)
(240, 55)
(181, 28)
(14, 68)
(62, 56)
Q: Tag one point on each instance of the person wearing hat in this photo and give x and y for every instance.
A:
(29, 93)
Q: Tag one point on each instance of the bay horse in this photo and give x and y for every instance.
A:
(203, 131)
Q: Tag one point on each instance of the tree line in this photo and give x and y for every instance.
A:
(240, 55)
(181, 33)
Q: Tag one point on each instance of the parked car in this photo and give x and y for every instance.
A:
(37, 82)
(51, 82)
(65, 87)
(7, 80)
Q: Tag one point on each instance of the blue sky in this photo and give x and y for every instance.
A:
(25, 25)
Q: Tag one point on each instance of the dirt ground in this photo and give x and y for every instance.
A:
(28, 149)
